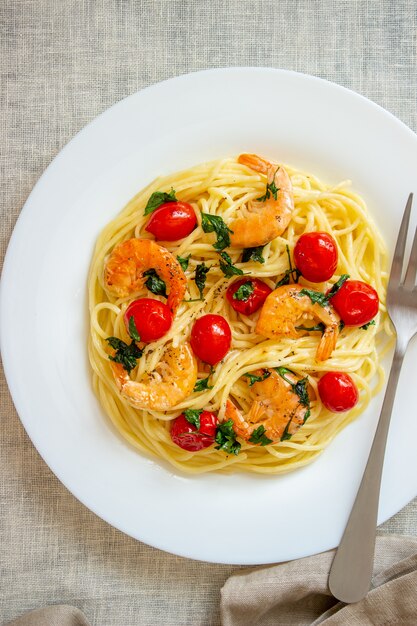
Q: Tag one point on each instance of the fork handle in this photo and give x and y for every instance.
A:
(351, 570)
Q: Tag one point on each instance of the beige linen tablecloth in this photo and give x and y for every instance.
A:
(62, 62)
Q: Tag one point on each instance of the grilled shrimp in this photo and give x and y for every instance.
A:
(125, 267)
(285, 309)
(276, 407)
(270, 216)
(171, 382)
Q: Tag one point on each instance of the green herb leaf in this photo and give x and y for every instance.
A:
(253, 254)
(158, 198)
(271, 188)
(126, 355)
(337, 285)
(318, 327)
(226, 438)
(286, 435)
(133, 331)
(341, 325)
(292, 273)
(367, 325)
(183, 261)
(193, 417)
(258, 436)
(316, 297)
(244, 292)
(200, 277)
(155, 284)
(257, 379)
(216, 224)
(300, 388)
(227, 267)
(202, 384)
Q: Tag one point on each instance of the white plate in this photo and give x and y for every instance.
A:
(302, 120)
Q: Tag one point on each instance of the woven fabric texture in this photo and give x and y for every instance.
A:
(62, 62)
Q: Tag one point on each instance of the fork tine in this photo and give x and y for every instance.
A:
(397, 262)
(410, 277)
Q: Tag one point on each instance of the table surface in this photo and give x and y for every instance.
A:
(61, 64)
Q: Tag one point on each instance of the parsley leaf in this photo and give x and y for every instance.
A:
(183, 261)
(133, 331)
(367, 325)
(300, 388)
(227, 267)
(253, 254)
(253, 378)
(158, 198)
(317, 297)
(258, 436)
(202, 384)
(193, 417)
(337, 285)
(286, 435)
(226, 438)
(155, 284)
(200, 277)
(291, 273)
(126, 355)
(341, 325)
(244, 292)
(216, 224)
(271, 188)
(319, 327)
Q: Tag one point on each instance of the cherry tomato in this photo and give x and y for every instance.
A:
(152, 318)
(188, 437)
(211, 338)
(338, 392)
(356, 302)
(315, 256)
(254, 301)
(172, 221)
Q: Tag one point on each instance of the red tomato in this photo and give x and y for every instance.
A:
(315, 256)
(338, 392)
(172, 221)
(211, 338)
(356, 302)
(188, 437)
(152, 318)
(256, 299)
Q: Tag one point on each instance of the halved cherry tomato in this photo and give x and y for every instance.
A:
(211, 338)
(172, 221)
(315, 256)
(254, 301)
(152, 318)
(356, 302)
(338, 392)
(188, 437)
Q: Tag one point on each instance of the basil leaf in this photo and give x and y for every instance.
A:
(216, 224)
(193, 417)
(133, 331)
(158, 198)
(202, 384)
(126, 355)
(258, 436)
(337, 285)
(367, 325)
(253, 254)
(227, 267)
(226, 438)
(271, 189)
(253, 378)
(183, 261)
(244, 292)
(155, 284)
(200, 277)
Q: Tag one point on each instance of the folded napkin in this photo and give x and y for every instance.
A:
(296, 593)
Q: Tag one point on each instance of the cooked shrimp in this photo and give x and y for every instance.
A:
(276, 407)
(170, 383)
(125, 267)
(270, 217)
(285, 309)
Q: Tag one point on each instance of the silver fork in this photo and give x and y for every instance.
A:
(351, 571)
